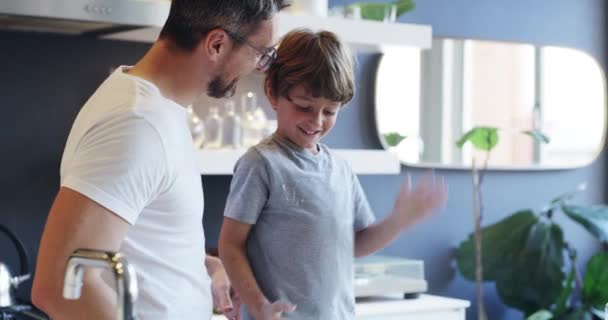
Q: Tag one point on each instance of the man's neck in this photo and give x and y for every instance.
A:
(173, 72)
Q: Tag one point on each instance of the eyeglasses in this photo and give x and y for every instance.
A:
(267, 55)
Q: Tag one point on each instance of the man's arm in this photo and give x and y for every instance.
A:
(213, 264)
(75, 222)
(225, 299)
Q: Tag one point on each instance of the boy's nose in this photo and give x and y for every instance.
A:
(318, 118)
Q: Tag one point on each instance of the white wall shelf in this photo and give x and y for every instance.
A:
(221, 162)
(362, 35)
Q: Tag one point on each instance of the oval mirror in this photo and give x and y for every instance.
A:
(426, 101)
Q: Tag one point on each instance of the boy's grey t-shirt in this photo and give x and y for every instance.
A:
(304, 209)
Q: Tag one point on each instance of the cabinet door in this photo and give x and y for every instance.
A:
(455, 314)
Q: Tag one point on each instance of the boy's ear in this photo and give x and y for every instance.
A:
(271, 98)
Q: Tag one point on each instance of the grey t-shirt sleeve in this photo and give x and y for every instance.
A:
(364, 216)
(248, 188)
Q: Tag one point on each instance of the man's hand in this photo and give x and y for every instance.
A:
(272, 311)
(225, 300)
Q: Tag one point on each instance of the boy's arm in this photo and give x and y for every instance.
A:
(376, 236)
(411, 206)
(233, 238)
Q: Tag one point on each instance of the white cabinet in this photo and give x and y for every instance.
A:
(426, 307)
(429, 315)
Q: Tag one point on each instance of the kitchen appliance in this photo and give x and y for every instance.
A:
(82, 17)
(9, 308)
(383, 275)
(9, 283)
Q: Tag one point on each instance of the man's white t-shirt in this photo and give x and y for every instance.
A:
(131, 151)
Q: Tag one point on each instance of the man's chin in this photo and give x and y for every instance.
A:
(221, 94)
(230, 92)
(226, 92)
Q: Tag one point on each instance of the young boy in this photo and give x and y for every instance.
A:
(296, 215)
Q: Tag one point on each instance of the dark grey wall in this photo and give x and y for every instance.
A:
(45, 79)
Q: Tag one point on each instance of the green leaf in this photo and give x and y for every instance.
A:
(547, 239)
(392, 139)
(377, 11)
(592, 218)
(482, 138)
(537, 135)
(561, 306)
(371, 11)
(600, 314)
(534, 277)
(404, 6)
(562, 199)
(500, 243)
(541, 315)
(595, 283)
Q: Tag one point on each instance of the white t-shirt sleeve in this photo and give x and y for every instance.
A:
(120, 164)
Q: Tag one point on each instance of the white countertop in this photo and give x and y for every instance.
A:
(395, 305)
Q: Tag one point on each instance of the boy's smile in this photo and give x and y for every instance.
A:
(310, 132)
(304, 119)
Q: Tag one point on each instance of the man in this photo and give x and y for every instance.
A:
(129, 180)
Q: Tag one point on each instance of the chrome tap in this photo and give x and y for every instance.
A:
(124, 274)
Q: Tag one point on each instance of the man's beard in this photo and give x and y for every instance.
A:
(217, 88)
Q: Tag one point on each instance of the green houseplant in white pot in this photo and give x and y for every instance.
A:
(484, 139)
(527, 255)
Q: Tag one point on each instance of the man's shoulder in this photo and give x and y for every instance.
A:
(122, 94)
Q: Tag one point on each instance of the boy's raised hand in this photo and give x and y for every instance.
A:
(273, 311)
(415, 202)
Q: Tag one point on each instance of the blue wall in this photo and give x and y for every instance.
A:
(579, 24)
(45, 79)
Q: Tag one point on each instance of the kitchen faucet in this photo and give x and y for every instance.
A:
(124, 274)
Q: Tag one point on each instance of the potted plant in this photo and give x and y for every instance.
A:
(528, 257)
(378, 11)
(484, 139)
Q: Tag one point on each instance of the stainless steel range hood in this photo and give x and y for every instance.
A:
(90, 17)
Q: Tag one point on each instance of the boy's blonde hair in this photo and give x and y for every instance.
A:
(319, 61)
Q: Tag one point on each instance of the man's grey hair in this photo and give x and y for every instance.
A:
(189, 21)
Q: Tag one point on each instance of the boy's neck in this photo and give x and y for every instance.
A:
(313, 151)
